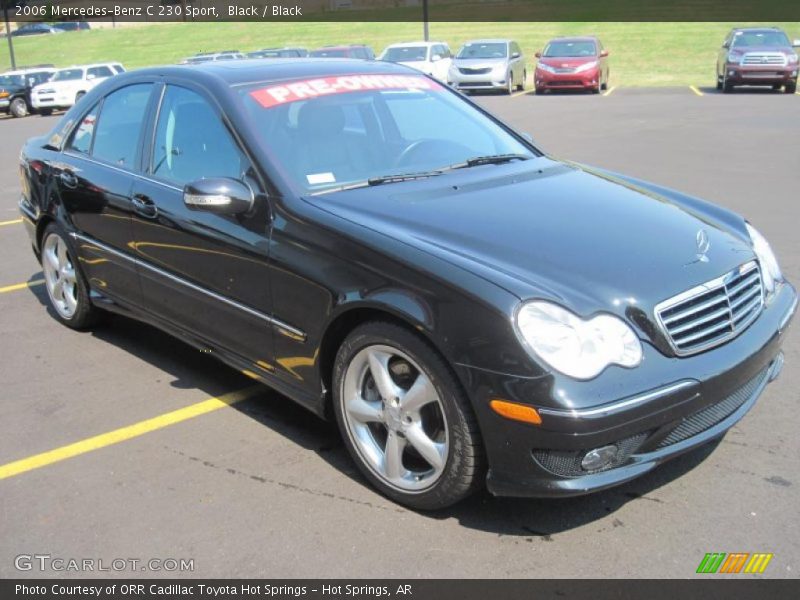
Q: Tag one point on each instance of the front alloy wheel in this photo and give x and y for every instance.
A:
(18, 108)
(404, 418)
(66, 289)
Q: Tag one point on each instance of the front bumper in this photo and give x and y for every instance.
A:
(52, 101)
(4, 102)
(478, 81)
(663, 408)
(585, 80)
(750, 75)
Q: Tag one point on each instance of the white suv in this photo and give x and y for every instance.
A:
(69, 85)
(432, 58)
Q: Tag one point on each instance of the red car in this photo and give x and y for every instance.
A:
(576, 63)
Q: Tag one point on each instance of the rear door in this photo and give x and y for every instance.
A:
(206, 273)
(94, 176)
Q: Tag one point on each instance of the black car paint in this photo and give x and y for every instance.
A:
(275, 291)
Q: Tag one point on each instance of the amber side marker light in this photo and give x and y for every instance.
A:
(516, 412)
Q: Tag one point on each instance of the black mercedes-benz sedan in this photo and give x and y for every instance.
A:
(388, 254)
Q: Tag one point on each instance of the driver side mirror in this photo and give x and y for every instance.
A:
(436, 57)
(726, 45)
(603, 53)
(219, 195)
(538, 55)
(796, 44)
(91, 76)
(515, 55)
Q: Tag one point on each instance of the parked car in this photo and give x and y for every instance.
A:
(488, 65)
(35, 29)
(204, 57)
(69, 85)
(278, 53)
(72, 26)
(386, 253)
(16, 86)
(432, 58)
(576, 63)
(351, 51)
(757, 56)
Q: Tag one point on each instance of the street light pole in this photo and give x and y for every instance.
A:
(425, 19)
(8, 35)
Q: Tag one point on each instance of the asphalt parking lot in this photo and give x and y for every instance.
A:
(263, 489)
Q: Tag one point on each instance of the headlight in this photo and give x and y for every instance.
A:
(770, 270)
(792, 58)
(545, 67)
(734, 58)
(576, 347)
(586, 66)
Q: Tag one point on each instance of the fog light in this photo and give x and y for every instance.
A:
(599, 458)
(731, 73)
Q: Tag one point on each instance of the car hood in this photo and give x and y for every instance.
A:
(479, 63)
(567, 62)
(541, 228)
(59, 85)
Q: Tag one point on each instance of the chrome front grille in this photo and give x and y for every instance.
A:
(764, 58)
(714, 312)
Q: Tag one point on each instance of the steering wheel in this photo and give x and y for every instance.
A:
(438, 149)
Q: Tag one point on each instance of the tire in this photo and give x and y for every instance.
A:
(46, 112)
(604, 85)
(521, 86)
(67, 291)
(18, 108)
(438, 420)
(790, 88)
(510, 86)
(776, 87)
(727, 88)
(540, 91)
(719, 83)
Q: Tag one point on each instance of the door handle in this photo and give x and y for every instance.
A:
(144, 206)
(69, 179)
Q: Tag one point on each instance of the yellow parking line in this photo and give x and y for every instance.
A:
(124, 433)
(14, 222)
(609, 90)
(696, 90)
(21, 286)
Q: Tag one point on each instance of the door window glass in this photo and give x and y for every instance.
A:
(82, 138)
(192, 142)
(117, 130)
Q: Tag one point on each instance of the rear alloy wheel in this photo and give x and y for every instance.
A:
(66, 289)
(18, 107)
(404, 418)
(510, 89)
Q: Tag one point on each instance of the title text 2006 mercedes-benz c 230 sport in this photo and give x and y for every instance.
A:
(383, 251)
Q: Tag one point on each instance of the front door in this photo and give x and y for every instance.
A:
(206, 273)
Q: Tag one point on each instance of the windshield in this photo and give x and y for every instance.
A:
(7, 80)
(406, 54)
(760, 38)
(570, 49)
(340, 53)
(484, 50)
(68, 75)
(337, 131)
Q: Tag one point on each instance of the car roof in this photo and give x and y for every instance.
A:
(577, 38)
(342, 47)
(413, 44)
(254, 71)
(489, 41)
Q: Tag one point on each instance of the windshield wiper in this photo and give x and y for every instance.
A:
(492, 159)
(402, 177)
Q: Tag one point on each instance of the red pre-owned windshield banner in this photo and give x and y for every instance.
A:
(277, 95)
